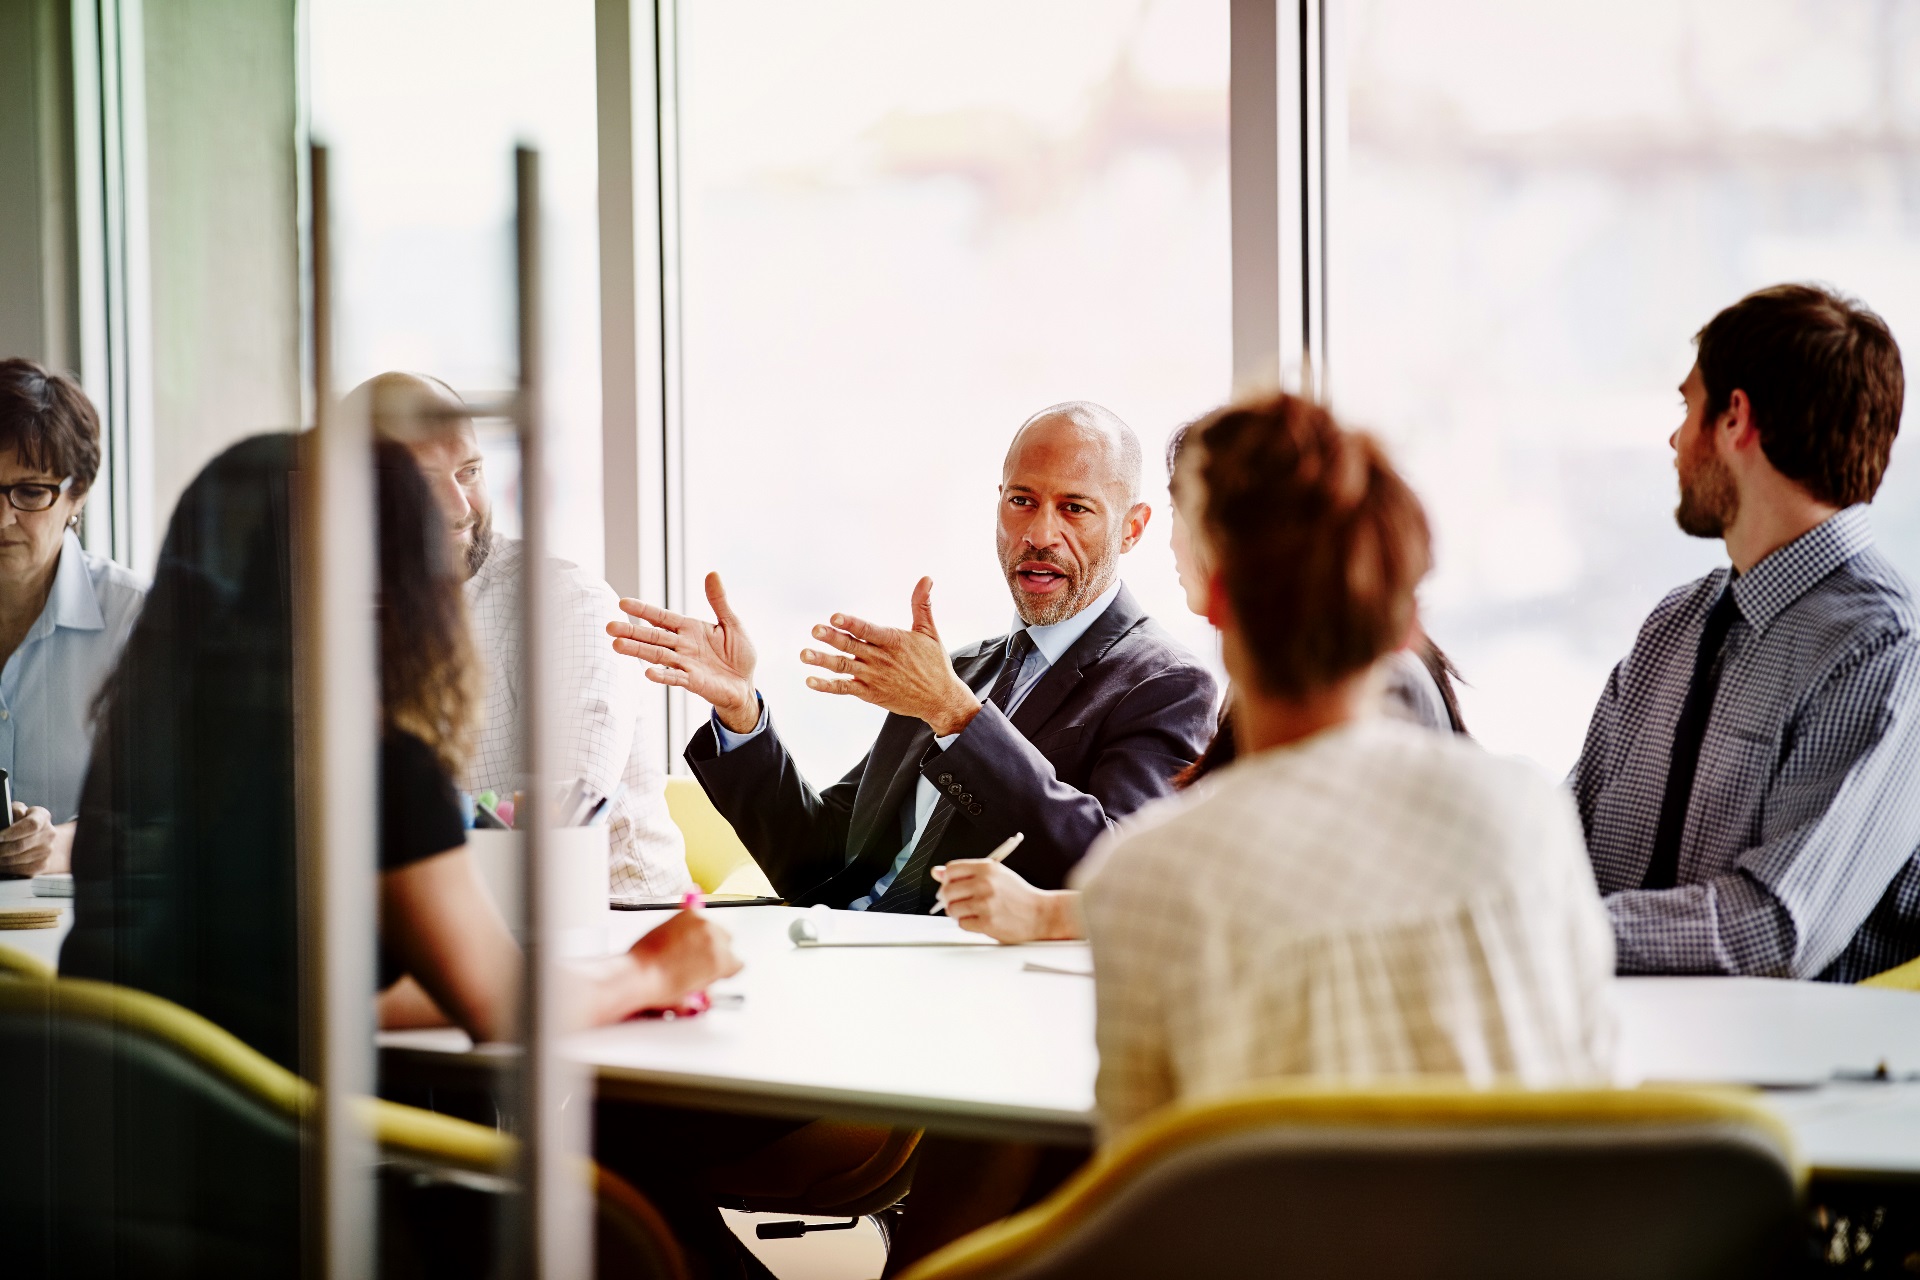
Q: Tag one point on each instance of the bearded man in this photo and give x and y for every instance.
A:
(1081, 715)
(609, 739)
(1750, 784)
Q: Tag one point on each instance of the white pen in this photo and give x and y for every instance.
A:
(1007, 846)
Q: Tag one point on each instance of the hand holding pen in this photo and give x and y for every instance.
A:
(684, 955)
(999, 855)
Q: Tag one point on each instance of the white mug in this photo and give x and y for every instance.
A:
(580, 881)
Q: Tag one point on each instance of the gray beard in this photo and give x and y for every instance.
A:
(1078, 595)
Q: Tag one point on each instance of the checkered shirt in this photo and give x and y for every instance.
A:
(1798, 855)
(603, 736)
(1378, 900)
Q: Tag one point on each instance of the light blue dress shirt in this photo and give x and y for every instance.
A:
(48, 684)
(1049, 642)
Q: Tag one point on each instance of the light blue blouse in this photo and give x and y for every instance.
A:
(48, 684)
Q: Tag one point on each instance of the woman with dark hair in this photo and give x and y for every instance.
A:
(184, 866)
(1353, 898)
(64, 611)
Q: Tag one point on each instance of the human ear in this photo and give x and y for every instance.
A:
(1737, 421)
(1137, 518)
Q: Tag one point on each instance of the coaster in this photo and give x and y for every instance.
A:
(29, 917)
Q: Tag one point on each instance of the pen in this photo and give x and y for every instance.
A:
(1007, 846)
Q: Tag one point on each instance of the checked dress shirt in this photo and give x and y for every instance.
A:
(1797, 858)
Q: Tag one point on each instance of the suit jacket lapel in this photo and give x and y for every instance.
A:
(874, 830)
(1121, 617)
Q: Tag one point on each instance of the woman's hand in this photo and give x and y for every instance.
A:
(682, 956)
(986, 897)
(32, 843)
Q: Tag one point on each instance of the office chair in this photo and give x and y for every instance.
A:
(1902, 977)
(827, 1169)
(15, 963)
(1420, 1180)
(716, 859)
(144, 1140)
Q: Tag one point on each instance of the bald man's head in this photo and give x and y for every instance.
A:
(408, 407)
(1094, 427)
(1069, 507)
(436, 426)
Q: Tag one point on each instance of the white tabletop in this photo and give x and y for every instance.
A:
(43, 944)
(969, 1040)
(961, 1037)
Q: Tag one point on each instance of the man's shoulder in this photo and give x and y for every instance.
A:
(1865, 594)
(574, 589)
(1147, 642)
(1665, 632)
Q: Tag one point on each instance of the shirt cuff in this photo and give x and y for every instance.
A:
(947, 740)
(728, 739)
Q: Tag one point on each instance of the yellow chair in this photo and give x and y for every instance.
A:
(15, 963)
(716, 859)
(1421, 1180)
(73, 1050)
(1905, 977)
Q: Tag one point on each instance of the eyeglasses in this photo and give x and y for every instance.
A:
(35, 497)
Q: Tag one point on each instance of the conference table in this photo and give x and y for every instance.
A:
(41, 944)
(960, 1036)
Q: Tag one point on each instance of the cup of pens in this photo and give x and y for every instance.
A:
(577, 865)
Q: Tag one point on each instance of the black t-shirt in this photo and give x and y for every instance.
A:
(419, 810)
(419, 815)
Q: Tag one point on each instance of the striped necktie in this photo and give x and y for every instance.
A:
(912, 890)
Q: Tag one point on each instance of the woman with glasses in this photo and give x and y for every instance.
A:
(64, 612)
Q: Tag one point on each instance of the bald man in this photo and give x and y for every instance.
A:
(606, 740)
(1080, 716)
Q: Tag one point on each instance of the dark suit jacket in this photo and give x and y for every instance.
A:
(1102, 733)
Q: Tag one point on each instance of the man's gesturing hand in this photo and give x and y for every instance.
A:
(712, 660)
(906, 672)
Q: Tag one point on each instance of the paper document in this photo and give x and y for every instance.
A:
(821, 927)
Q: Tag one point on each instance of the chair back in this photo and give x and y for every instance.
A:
(1902, 977)
(142, 1139)
(714, 852)
(1421, 1181)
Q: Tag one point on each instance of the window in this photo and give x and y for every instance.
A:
(1543, 204)
(422, 103)
(905, 229)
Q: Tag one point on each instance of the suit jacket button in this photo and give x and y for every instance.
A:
(966, 801)
(946, 779)
(974, 809)
(955, 789)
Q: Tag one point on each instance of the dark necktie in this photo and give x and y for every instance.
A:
(1664, 869)
(912, 889)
